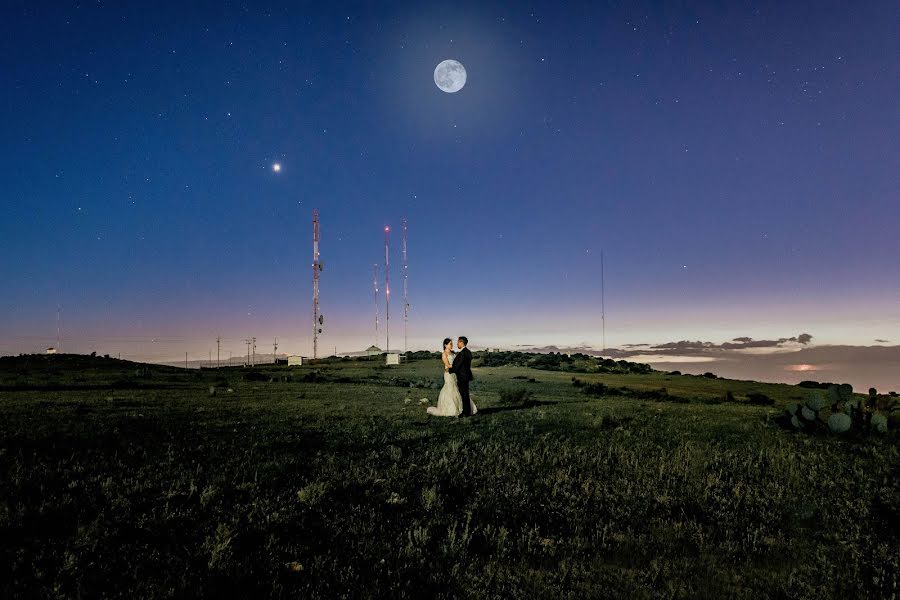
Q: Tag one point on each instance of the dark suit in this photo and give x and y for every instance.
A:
(462, 367)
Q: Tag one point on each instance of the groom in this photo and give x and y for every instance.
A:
(462, 366)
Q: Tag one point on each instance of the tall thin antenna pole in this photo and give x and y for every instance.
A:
(387, 290)
(275, 352)
(253, 364)
(248, 352)
(58, 311)
(405, 291)
(602, 301)
(218, 350)
(316, 268)
(375, 284)
(185, 360)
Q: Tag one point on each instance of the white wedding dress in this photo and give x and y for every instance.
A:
(449, 400)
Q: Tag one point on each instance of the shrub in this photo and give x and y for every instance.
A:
(814, 385)
(760, 399)
(255, 376)
(709, 375)
(518, 397)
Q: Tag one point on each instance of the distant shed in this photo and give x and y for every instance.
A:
(294, 361)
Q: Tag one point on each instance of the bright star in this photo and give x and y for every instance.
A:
(276, 167)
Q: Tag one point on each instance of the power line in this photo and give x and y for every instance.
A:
(405, 290)
(602, 302)
(375, 284)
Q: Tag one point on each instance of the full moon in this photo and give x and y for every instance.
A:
(450, 76)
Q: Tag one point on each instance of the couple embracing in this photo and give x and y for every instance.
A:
(454, 400)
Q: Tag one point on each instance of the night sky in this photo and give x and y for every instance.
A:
(735, 162)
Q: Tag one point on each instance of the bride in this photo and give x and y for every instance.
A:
(449, 401)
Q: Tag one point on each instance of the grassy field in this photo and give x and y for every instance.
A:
(330, 481)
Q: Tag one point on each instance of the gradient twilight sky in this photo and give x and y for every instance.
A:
(736, 162)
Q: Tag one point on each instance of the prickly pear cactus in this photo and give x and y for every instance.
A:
(793, 408)
(846, 391)
(816, 403)
(879, 423)
(851, 404)
(795, 421)
(839, 422)
(808, 413)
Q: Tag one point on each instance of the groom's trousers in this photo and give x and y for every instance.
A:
(464, 392)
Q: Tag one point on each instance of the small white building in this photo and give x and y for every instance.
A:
(51, 350)
(392, 358)
(294, 360)
(374, 351)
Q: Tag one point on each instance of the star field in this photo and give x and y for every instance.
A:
(735, 163)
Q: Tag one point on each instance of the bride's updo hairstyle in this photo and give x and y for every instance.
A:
(444, 345)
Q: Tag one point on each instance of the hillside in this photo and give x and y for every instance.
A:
(330, 480)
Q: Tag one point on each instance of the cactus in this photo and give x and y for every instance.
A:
(816, 403)
(849, 414)
(879, 423)
(839, 422)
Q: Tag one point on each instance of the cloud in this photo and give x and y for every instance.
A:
(786, 360)
(880, 341)
(738, 343)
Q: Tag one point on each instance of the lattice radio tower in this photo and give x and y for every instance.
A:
(318, 319)
(405, 290)
(375, 284)
(387, 290)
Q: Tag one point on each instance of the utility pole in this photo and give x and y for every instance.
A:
(218, 348)
(229, 358)
(317, 268)
(210, 358)
(387, 290)
(58, 311)
(185, 360)
(253, 364)
(275, 352)
(405, 291)
(375, 284)
(248, 352)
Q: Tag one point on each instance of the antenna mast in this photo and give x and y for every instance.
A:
(387, 290)
(602, 302)
(405, 295)
(58, 310)
(375, 284)
(317, 267)
(275, 352)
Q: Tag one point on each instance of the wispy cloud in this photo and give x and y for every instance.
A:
(786, 360)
